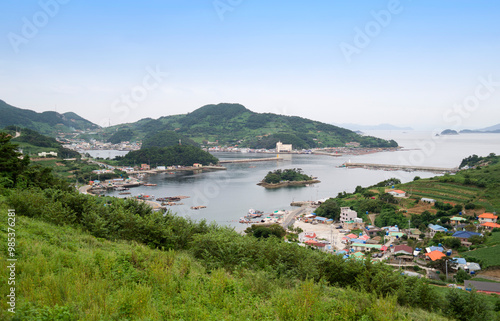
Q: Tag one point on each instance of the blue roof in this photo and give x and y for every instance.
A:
(459, 260)
(436, 248)
(436, 227)
(464, 234)
(319, 218)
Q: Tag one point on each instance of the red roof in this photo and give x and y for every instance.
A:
(352, 236)
(490, 224)
(311, 236)
(405, 248)
(488, 215)
(435, 255)
(315, 243)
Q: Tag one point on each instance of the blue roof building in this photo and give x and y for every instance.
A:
(437, 228)
(465, 234)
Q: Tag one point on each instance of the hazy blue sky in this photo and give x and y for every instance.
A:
(368, 62)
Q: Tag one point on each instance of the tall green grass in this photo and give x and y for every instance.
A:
(66, 274)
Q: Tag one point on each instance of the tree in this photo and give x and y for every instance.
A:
(464, 306)
(12, 162)
(388, 198)
(441, 264)
(476, 239)
(260, 231)
(329, 209)
(461, 276)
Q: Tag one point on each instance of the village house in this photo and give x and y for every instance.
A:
(455, 220)
(402, 249)
(346, 214)
(435, 255)
(398, 193)
(356, 223)
(488, 217)
(145, 167)
(434, 228)
(372, 230)
(464, 236)
(414, 233)
(490, 225)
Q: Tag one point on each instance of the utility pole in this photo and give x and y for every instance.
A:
(446, 264)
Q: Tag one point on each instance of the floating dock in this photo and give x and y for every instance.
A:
(401, 167)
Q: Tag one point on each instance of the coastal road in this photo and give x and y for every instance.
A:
(289, 219)
(84, 189)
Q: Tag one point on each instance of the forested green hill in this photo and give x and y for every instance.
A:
(233, 124)
(48, 122)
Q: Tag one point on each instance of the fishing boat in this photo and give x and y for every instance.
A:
(149, 184)
(145, 197)
(198, 207)
(124, 193)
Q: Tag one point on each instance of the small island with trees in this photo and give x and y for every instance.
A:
(287, 177)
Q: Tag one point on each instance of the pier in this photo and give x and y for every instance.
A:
(249, 160)
(401, 167)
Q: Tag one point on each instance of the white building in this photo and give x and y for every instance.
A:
(346, 214)
(280, 147)
(45, 154)
(398, 193)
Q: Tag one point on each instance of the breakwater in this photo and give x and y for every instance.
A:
(401, 167)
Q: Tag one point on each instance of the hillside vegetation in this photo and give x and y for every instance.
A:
(82, 257)
(166, 138)
(33, 142)
(185, 155)
(48, 123)
(233, 124)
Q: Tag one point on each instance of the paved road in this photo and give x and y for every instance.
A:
(289, 219)
(84, 189)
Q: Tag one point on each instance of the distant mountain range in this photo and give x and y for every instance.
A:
(233, 124)
(495, 129)
(221, 124)
(372, 127)
(47, 123)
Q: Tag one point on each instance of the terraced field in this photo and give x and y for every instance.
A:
(449, 192)
(490, 255)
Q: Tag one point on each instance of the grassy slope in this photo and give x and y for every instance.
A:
(453, 188)
(66, 274)
(490, 254)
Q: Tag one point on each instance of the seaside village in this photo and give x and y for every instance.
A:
(352, 238)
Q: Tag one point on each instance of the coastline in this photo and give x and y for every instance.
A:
(286, 184)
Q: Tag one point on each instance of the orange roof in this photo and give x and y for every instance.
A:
(490, 224)
(435, 255)
(399, 191)
(488, 215)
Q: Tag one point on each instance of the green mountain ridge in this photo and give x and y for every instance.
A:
(47, 122)
(234, 124)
